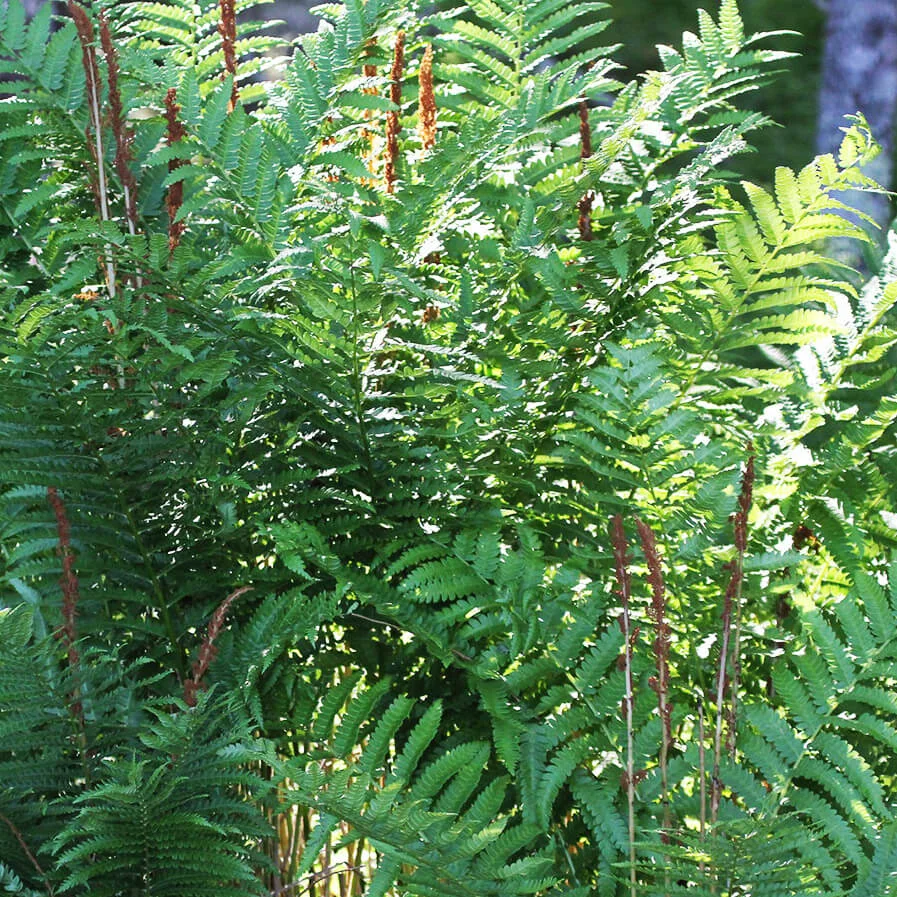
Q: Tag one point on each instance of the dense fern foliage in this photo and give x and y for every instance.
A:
(428, 472)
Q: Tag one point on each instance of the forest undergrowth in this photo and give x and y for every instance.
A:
(431, 472)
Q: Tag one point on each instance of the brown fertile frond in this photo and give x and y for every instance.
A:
(393, 121)
(585, 204)
(369, 70)
(174, 133)
(123, 135)
(585, 131)
(207, 649)
(227, 28)
(84, 27)
(584, 223)
(426, 107)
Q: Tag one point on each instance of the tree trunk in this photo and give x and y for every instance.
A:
(859, 73)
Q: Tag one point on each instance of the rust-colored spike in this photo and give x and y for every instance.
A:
(585, 131)
(94, 130)
(585, 216)
(124, 138)
(174, 133)
(585, 204)
(227, 28)
(84, 27)
(393, 117)
(426, 107)
(369, 70)
(207, 649)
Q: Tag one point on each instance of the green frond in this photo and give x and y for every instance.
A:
(12, 884)
(171, 826)
(418, 818)
(393, 417)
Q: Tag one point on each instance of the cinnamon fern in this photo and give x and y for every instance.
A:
(320, 394)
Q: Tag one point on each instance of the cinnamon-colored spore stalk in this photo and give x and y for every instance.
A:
(393, 121)
(426, 107)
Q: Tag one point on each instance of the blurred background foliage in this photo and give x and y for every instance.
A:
(790, 100)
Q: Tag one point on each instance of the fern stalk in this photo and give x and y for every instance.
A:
(227, 28)
(661, 682)
(731, 635)
(426, 107)
(702, 767)
(27, 851)
(92, 74)
(393, 117)
(207, 649)
(174, 133)
(624, 584)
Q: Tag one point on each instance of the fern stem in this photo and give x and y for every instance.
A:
(426, 107)
(313, 878)
(661, 682)
(393, 117)
(715, 784)
(621, 564)
(730, 635)
(27, 851)
(702, 774)
(227, 28)
(92, 74)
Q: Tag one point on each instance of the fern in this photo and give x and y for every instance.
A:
(12, 884)
(418, 817)
(171, 828)
(385, 382)
(830, 694)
